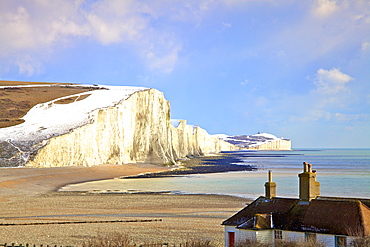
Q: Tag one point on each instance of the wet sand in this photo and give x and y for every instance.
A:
(28, 195)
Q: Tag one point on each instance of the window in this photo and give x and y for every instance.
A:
(231, 236)
(310, 237)
(340, 241)
(278, 234)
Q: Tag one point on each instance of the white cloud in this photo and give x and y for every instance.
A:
(226, 25)
(331, 95)
(245, 82)
(36, 24)
(325, 8)
(27, 65)
(326, 29)
(365, 46)
(332, 81)
(34, 28)
(350, 117)
(261, 101)
(115, 21)
(163, 61)
(30, 29)
(16, 31)
(27, 26)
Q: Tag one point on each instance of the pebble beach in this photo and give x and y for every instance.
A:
(29, 198)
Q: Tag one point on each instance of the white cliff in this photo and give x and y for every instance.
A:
(132, 125)
(260, 141)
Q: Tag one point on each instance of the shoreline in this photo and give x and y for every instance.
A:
(32, 181)
(220, 163)
(28, 195)
(210, 164)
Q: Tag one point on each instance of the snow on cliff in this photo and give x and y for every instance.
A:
(51, 119)
(113, 125)
(253, 141)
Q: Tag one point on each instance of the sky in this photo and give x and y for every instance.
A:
(296, 69)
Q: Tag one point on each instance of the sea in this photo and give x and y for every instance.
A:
(341, 173)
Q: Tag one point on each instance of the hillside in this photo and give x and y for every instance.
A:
(17, 98)
(76, 125)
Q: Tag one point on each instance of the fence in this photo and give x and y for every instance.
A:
(75, 222)
(28, 245)
(144, 245)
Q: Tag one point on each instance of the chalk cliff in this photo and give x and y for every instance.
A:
(136, 128)
(279, 144)
(260, 141)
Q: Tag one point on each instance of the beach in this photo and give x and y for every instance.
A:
(244, 173)
(29, 195)
(178, 208)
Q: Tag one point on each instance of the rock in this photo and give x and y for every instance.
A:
(137, 129)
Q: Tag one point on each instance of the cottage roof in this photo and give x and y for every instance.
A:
(261, 205)
(342, 216)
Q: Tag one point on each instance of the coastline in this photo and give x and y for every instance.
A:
(28, 195)
(32, 181)
(220, 163)
(334, 167)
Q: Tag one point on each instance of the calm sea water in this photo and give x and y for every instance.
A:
(341, 172)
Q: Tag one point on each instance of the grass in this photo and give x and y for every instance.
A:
(15, 102)
(361, 242)
(110, 240)
(280, 243)
(124, 240)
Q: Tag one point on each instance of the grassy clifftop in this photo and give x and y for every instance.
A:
(15, 101)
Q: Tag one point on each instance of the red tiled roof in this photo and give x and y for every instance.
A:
(261, 205)
(342, 216)
(336, 217)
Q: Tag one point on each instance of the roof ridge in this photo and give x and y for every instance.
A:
(365, 218)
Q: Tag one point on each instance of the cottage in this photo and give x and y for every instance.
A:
(332, 221)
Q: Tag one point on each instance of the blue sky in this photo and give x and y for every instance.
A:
(296, 69)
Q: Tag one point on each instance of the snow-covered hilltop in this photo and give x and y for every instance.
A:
(110, 125)
(50, 119)
(262, 141)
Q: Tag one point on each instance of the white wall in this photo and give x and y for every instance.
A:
(267, 236)
(294, 236)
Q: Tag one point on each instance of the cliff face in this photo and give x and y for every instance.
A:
(260, 141)
(136, 129)
(281, 144)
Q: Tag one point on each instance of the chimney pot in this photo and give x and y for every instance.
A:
(309, 188)
(305, 167)
(309, 168)
(270, 187)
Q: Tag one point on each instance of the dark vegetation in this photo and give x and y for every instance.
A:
(117, 239)
(225, 162)
(124, 240)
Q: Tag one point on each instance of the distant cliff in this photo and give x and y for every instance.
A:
(136, 128)
(261, 141)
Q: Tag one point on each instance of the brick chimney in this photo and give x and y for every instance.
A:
(309, 188)
(270, 187)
